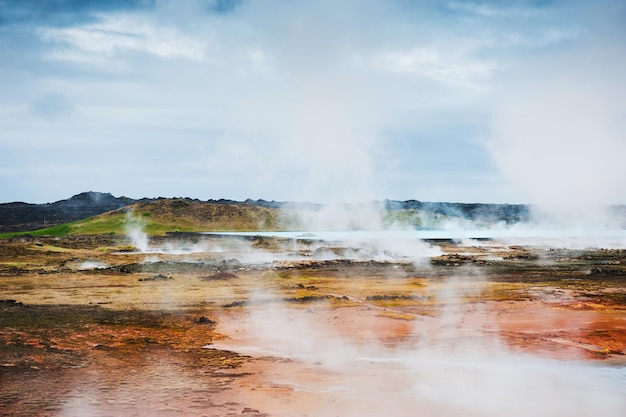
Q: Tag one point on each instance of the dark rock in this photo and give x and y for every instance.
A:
(219, 276)
(102, 347)
(206, 320)
(159, 277)
(11, 303)
(236, 304)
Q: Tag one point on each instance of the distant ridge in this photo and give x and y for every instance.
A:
(492, 213)
(20, 217)
(24, 216)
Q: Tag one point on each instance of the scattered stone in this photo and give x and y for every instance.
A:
(394, 297)
(611, 271)
(236, 304)
(523, 256)
(13, 271)
(248, 410)
(11, 303)
(303, 287)
(219, 276)
(206, 320)
(102, 347)
(306, 299)
(158, 277)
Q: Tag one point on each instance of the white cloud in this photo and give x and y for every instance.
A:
(296, 100)
(260, 61)
(121, 33)
(491, 11)
(559, 132)
(430, 63)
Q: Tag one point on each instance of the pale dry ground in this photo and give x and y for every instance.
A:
(302, 338)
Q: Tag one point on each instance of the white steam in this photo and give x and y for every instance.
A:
(86, 265)
(336, 216)
(558, 135)
(134, 228)
(452, 365)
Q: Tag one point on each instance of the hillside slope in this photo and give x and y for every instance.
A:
(160, 216)
(191, 215)
(93, 212)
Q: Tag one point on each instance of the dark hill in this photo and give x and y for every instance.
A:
(24, 216)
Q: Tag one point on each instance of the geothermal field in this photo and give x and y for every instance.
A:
(197, 324)
(313, 208)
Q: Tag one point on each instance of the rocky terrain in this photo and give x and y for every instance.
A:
(202, 325)
(134, 311)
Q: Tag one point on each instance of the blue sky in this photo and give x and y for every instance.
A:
(468, 101)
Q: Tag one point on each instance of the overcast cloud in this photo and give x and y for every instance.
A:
(314, 100)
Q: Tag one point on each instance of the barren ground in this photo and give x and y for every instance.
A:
(89, 329)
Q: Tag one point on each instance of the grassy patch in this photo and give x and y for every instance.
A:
(113, 223)
(56, 231)
(51, 248)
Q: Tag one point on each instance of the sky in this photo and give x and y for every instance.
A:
(326, 101)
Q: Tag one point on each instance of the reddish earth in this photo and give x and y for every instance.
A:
(463, 335)
(321, 377)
